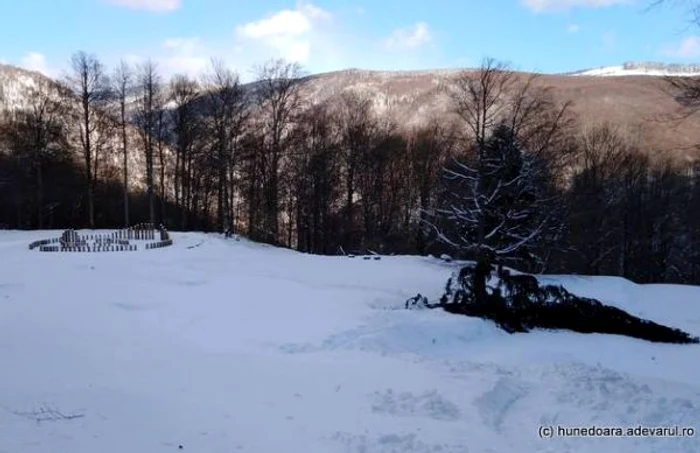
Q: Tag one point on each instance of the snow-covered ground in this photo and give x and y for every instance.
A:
(218, 345)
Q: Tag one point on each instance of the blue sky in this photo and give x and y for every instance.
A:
(324, 35)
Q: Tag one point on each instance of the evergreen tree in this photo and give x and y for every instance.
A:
(499, 204)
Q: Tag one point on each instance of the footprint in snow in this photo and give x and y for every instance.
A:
(393, 443)
(430, 405)
(495, 404)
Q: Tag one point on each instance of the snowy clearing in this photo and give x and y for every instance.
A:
(218, 345)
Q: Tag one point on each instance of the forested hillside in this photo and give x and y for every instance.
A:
(326, 166)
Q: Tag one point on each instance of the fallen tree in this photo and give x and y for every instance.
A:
(518, 303)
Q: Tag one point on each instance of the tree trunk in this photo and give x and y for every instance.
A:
(350, 189)
(232, 217)
(176, 179)
(222, 210)
(125, 151)
(272, 226)
(88, 165)
(148, 145)
(40, 194)
(161, 158)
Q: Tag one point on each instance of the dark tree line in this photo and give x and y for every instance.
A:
(630, 216)
(513, 179)
(533, 188)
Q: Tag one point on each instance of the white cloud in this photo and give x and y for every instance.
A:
(306, 34)
(133, 59)
(188, 56)
(289, 32)
(573, 28)
(560, 5)
(182, 44)
(284, 23)
(184, 55)
(35, 61)
(687, 48)
(149, 5)
(409, 38)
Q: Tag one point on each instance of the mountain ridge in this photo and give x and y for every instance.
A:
(650, 68)
(637, 100)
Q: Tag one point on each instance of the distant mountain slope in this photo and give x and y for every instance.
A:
(16, 86)
(636, 103)
(636, 99)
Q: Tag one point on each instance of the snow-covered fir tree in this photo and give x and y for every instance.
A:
(498, 203)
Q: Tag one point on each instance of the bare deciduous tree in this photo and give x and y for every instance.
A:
(604, 154)
(187, 126)
(314, 177)
(359, 130)
(150, 106)
(228, 111)
(481, 98)
(428, 148)
(122, 87)
(36, 133)
(87, 80)
(277, 91)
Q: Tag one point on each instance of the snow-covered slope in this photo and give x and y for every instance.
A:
(16, 88)
(15, 85)
(643, 68)
(217, 345)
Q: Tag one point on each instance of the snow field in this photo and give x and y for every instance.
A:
(219, 345)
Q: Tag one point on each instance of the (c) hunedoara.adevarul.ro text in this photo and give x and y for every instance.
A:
(549, 431)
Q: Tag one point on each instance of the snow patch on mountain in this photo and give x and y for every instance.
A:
(643, 68)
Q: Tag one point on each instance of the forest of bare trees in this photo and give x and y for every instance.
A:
(515, 178)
